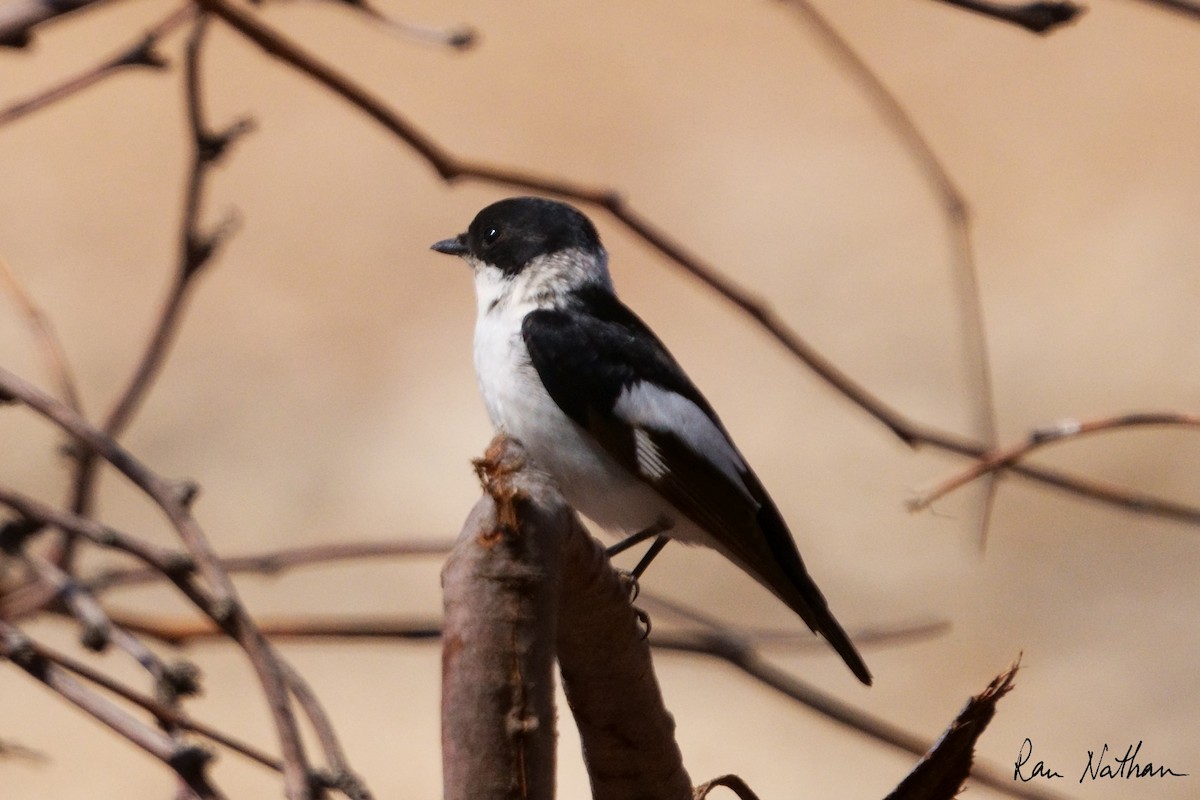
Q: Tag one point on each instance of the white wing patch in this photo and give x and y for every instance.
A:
(644, 405)
(649, 459)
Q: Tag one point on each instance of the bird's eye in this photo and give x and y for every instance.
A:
(490, 236)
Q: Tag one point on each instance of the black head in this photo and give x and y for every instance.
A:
(512, 232)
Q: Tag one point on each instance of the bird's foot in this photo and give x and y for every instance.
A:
(643, 618)
(632, 585)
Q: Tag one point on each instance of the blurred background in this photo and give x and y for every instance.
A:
(321, 388)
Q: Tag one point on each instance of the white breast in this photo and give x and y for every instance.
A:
(519, 405)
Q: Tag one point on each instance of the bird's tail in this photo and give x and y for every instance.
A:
(778, 566)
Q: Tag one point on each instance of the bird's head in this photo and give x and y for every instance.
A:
(532, 246)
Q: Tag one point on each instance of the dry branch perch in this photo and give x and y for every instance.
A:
(524, 578)
(627, 735)
(500, 588)
(942, 772)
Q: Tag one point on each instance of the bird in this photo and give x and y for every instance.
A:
(601, 406)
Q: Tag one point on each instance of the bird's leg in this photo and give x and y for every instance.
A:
(653, 551)
(637, 538)
(657, 530)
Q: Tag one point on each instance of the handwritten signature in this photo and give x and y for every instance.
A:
(1099, 765)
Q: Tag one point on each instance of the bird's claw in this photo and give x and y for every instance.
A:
(631, 584)
(643, 618)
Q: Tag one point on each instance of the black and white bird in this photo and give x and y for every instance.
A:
(601, 406)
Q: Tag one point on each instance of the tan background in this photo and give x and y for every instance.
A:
(322, 388)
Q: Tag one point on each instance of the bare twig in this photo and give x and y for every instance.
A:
(19, 17)
(339, 774)
(222, 604)
(1038, 17)
(654, 603)
(1054, 434)
(164, 562)
(459, 37)
(176, 631)
(162, 712)
(275, 562)
(168, 564)
(196, 247)
(11, 749)
(1189, 8)
(95, 626)
(452, 168)
(734, 647)
(47, 341)
(721, 642)
(141, 53)
(196, 250)
(188, 761)
(962, 250)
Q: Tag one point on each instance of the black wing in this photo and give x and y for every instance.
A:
(587, 358)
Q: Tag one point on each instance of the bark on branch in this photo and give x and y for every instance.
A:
(524, 580)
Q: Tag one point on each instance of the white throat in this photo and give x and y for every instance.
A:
(545, 282)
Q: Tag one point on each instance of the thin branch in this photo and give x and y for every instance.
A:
(460, 37)
(275, 562)
(196, 247)
(1189, 8)
(196, 250)
(223, 604)
(188, 761)
(53, 356)
(736, 648)
(18, 18)
(141, 53)
(722, 643)
(1039, 17)
(95, 626)
(1108, 493)
(173, 565)
(1060, 432)
(162, 712)
(773, 638)
(11, 749)
(958, 217)
(176, 631)
(162, 561)
(339, 775)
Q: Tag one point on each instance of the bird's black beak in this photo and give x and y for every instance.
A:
(452, 247)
